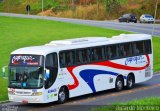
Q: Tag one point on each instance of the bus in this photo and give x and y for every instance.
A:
(63, 69)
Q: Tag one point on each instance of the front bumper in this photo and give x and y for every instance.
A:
(148, 21)
(26, 99)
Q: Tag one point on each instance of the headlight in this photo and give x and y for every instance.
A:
(36, 93)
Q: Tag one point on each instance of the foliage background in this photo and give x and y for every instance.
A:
(85, 9)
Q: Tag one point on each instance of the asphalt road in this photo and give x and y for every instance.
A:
(146, 89)
(132, 27)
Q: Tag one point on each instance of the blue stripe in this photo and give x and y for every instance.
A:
(88, 76)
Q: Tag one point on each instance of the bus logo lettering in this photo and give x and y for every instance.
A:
(136, 59)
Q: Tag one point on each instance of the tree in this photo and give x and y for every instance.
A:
(112, 5)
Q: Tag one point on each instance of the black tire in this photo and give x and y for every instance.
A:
(62, 95)
(119, 84)
(130, 81)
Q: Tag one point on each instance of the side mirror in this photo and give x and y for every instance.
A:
(4, 72)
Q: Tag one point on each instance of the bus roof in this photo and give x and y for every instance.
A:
(55, 46)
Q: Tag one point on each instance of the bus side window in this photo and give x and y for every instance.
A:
(86, 54)
(107, 54)
(89, 55)
(135, 49)
(129, 50)
(79, 58)
(82, 56)
(67, 58)
(121, 50)
(147, 46)
(62, 59)
(94, 55)
(98, 54)
(112, 52)
(125, 50)
(70, 55)
(138, 47)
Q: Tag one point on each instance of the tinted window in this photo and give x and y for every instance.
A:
(67, 58)
(147, 45)
(116, 51)
(82, 56)
(138, 47)
(148, 16)
(125, 50)
(112, 52)
(98, 54)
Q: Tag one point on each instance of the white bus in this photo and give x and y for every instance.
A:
(68, 68)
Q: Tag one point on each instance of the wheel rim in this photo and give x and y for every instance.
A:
(130, 82)
(119, 84)
(62, 95)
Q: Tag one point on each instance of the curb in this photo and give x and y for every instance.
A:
(157, 73)
(7, 101)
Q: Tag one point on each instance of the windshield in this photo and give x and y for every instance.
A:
(25, 77)
(148, 16)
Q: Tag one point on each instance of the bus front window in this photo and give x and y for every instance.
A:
(25, 77)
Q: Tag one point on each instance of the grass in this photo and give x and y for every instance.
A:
(136, 105)
(19, 32)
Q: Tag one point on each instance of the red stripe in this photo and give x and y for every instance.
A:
(108, 64)
(124, 67)
(76, 83)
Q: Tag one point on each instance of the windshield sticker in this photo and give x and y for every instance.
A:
(136, 60)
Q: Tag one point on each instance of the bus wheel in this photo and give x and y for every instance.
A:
(62, 95)
(119, 84)
(130, 81)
